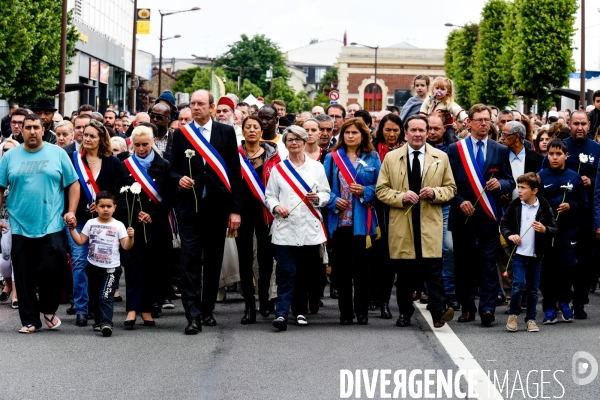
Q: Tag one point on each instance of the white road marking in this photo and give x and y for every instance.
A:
(462, 357)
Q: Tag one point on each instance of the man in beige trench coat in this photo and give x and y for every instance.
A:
(415, 181)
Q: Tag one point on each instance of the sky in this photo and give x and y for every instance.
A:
(293, 23)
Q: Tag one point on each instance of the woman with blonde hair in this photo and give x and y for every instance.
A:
(148, 213)
(64, 133)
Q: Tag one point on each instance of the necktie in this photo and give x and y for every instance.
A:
(416, 169)
(479, 157)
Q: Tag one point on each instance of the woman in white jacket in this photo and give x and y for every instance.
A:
(297, 188)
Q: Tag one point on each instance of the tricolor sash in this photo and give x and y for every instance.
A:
(299, 186)
(141, 176)
(174, 229)
(85, 176)
(128, 141)
(207, 151)
(465, 150)
(350, 175)
(252, 178)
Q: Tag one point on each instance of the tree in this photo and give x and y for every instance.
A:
(282, 91)
(260, 51)
(490, 85)
(543, 52)
(249, 88)
(330, 76)
(184, 79)
(30, 56)
(461, 45)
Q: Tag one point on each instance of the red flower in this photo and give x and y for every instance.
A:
(505, 274)
(493, 170)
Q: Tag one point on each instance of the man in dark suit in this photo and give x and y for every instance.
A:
(79, 124)
(474, 229)
(205, 213)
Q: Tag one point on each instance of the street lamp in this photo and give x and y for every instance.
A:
(162, 15)
(240, 73)
(374, 107)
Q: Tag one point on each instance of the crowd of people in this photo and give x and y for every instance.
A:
(432, 199)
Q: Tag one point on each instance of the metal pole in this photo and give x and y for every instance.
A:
(240, 81)
(160, 57)
(63, 59)
(582, 83)
(133, 51)
(375, 87)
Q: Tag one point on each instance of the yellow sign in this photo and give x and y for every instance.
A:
(143, 21)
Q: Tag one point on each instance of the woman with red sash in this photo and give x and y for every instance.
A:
(97, 170)
(296, 189)
(146, 262)
(352, 168)
(257, 160)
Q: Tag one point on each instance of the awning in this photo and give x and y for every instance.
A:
(71, 87)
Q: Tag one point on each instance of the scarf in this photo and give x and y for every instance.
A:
(383, 149)
(145, 162)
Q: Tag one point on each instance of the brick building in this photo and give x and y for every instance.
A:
(396, 67)
(168, 81)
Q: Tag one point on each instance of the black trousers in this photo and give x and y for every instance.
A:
(351, 270)
(102, 283)
(410, 274)
(265, 252)
(42, 263)
(587, 260)
(204, 234)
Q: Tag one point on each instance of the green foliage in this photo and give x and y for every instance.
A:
(449, 54)
(184, 79)
(490, 85)
(508, 45)
(259, 50)
(542, 46)
(463, 64)
(30, 55)
(249, 88)
(330, 75)
(282, 91)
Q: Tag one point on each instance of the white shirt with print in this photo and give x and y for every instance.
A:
(103, 250)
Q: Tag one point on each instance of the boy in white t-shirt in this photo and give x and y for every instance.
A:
(105, 234)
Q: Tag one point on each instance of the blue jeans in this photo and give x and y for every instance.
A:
(103, 283)
(79, 260)
(447, 255)
(526, 275)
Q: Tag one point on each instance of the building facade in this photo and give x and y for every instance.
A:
(396, 68)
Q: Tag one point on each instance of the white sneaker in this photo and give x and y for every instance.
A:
(301, 320)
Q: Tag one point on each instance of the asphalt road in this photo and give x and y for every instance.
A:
(232, 361)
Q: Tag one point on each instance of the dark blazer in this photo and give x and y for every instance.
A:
(70, 147)
(496, 157)
(533, 161)
(107, 180)
(223, 139)
(511, 225)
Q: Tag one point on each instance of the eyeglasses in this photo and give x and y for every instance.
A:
(17, 123)
(482, 120)
(158, 117)
(294, 140)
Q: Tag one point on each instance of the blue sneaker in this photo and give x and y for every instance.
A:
(550, 317)
(567, 313)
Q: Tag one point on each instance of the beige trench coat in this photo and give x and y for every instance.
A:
(392, 184)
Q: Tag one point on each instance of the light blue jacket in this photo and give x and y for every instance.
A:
(368, 176)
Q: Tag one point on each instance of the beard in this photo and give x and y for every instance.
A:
(229, 121)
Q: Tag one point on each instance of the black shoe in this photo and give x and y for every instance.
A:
(403, 321)
(280, 323)
(118, 299)
(155, 311)
(500, 300)
(208, 320)
(129, 324)
(71, 311)
(149, 323)
(249, 316)
(168, 305)
(265, 312)
(4, 296)
(193, 328)
(453, 303)
(579, 312)
(81, 320)
(333, 293)
(176, 291)
(362, 319)
(346, 321)
(487, 318)
(385, 311)
(231, 289)
(106, 330)
(90, 315)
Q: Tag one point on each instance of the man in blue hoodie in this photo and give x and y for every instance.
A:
(584, 155)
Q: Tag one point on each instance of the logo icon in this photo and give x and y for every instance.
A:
(583, 363)
(545, 186)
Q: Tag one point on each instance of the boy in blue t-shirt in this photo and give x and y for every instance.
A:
(564, 190)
